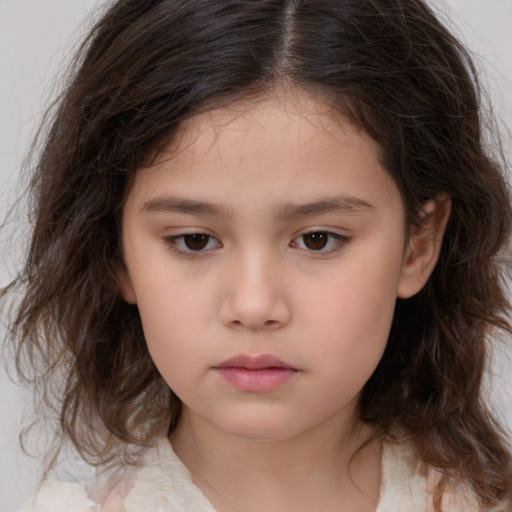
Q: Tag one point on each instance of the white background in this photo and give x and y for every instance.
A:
(35, 38)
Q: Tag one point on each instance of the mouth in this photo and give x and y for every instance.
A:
(255, 374)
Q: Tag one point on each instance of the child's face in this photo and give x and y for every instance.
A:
(275, 237)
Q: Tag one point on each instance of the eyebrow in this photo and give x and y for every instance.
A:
(342, 203)
(186, 206)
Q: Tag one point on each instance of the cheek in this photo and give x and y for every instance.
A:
(168, 298)
(360, 298)
(354, 318)
(173, 320)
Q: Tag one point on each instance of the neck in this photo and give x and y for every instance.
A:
(321, 469)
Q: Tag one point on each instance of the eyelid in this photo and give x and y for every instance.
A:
(176, 244)
(335, 243)
(340, 241)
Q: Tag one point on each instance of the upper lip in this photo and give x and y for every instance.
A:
(253, 362)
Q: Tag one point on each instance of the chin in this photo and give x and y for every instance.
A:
(262, 429)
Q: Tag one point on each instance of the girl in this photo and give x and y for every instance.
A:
(264, 263)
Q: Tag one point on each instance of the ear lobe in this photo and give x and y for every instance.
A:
(126, 290)
(424, 246)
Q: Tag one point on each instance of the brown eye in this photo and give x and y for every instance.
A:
(324, 242)
(316, 241)
(196, 242)
(190, 243)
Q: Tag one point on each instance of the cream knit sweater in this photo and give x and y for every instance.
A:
(163, 484)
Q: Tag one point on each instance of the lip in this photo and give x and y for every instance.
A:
(255, 373)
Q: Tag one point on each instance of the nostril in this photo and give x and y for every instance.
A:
(267, 325)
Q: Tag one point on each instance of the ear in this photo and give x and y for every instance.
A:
(424, 246)
(126, 290)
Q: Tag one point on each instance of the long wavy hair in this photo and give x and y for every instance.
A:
(394, 71)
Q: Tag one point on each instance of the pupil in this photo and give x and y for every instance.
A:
(196, 242)
(316, 241)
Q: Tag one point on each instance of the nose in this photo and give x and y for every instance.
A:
(255, 295)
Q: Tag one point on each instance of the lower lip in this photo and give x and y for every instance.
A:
(256, 381)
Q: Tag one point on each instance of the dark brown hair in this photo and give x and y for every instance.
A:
(392, 69)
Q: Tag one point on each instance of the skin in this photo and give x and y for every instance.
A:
(263, 175)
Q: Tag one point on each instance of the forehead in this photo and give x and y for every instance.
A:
(291, 116)
(287, 143)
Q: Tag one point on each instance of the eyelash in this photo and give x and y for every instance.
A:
(178, 244)
(336, 240)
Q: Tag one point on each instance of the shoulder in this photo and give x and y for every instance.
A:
(159, 482)
(465, 500)
(77, 489)
(408, 485)
(57, 496)
(459, 497)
